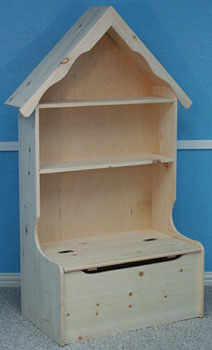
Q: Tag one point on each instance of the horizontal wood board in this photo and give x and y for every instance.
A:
(101, 163)
(105, 102)
(111, 249)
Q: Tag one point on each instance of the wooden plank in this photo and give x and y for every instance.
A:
(101, 163)
(122, 300)
(105, 102)
(112, 249)
(41, 296)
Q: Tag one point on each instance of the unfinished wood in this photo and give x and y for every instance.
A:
(88, 203)
(112, 249)
(40, 296)
(82, 37)
(101, 163)
(53, 67)
(121, 30)
(112, 102)
(104, 256)
(121, 300)
(118, 77)
(99, 132)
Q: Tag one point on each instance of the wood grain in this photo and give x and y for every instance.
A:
(82, 37)
(121, 300)
(112, 249)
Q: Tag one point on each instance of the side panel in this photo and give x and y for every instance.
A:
(41, 279)
(120, 300)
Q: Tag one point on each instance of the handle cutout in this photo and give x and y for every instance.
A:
(130, 264)
(150, 239)
(65, 251)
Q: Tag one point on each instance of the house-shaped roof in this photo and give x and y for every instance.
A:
(82, 36)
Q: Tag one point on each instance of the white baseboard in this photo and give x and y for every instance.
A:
(10, 280)
(14, 279)
(208, 278)
(194, 144)
(181, 144)
(9, 146)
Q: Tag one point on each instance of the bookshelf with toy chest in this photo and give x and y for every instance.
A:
(97, 128)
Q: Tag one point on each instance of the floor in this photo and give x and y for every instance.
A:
(16, 333)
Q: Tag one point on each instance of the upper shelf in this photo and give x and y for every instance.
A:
(106, 102)
(101, 163)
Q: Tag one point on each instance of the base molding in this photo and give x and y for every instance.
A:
(12, 280)
(208, 278)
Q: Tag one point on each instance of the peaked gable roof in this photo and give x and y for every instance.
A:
(82, 36)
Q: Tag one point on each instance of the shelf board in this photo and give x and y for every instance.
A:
(105, 102)
(101, 163)
(111, 249)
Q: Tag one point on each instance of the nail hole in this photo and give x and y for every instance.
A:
(97, 304)
(165, 296)
(80, 338)
(29, 82)
(80, 26)
(68, 314)
(130, 306)
(130, 294)
(141, 273)
(181, 270)
(97, 313)
(11, 98)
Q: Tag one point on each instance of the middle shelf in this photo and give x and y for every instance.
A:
(101, 163)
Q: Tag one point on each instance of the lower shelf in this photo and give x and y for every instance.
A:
(112, 249)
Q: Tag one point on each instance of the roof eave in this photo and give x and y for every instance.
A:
(85, 33)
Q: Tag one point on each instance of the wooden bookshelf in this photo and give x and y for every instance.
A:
(97, 132)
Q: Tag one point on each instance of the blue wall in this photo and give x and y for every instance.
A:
(177, 33)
